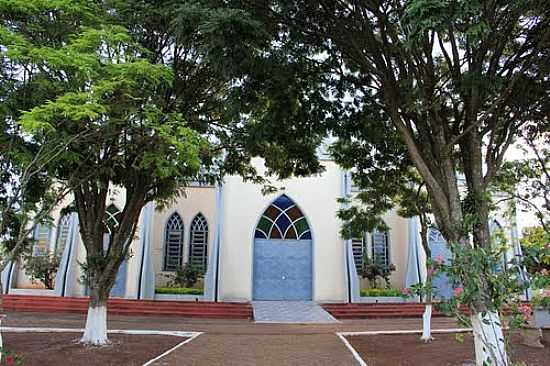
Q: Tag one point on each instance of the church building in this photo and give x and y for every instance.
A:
(250, 246)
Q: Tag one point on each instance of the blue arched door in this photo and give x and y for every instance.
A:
(282, 254)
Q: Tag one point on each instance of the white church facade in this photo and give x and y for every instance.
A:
(281, 246)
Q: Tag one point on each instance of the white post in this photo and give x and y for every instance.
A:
(426, 324)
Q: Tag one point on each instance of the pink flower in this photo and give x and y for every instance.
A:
(406, 291)
(439, 259)
(525, 310)
(431, 270)
(10, 360)
(458, 291)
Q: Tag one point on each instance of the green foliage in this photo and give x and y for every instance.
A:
(179, 291)
(381, 292)
(42, 268)
(541, 301)
(536, 255)
(185, 276)
(480, 283)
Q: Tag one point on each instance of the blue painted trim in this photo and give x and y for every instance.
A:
(72, 235)
(217, 245)
(146, 230)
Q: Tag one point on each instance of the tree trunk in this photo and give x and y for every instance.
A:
(95, 332)
(490, 347)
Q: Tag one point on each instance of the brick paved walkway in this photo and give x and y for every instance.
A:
(237, 342)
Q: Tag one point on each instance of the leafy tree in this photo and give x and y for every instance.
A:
(526, 180)
(27, 191)
(457, 80)
(156, 106)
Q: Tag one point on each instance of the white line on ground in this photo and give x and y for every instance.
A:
(189, 335)
(359, 359)
(150, 362)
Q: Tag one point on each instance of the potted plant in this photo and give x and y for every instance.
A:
(541, 309)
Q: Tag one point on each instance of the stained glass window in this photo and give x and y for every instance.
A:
(283, 220)
(173, 243)
(112, 218)
(198, 243)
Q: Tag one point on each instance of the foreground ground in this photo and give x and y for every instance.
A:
(39, 349)
(445, 350)
(232, 342)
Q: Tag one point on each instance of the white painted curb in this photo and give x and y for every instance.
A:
(359, 359)
(188, 335)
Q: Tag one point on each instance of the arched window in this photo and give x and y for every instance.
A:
(63, 227)
(283, 220)
(198, 243)
(173, 243)
(381, 248)
(41, 240)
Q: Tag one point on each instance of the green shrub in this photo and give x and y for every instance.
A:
(381, 292)
(185, 276)
(179, 291)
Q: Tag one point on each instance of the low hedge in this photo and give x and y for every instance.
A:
(381, 292)
(179, 291)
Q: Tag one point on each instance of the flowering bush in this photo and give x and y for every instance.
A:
(479, 284)
(42, 268)
(374, 269)
(10, 358)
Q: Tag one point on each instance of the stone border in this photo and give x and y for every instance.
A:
(359, 359)
(188, 335)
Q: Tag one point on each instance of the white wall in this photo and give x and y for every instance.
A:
(317, 198)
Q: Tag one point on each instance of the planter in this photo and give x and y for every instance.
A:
(175, 297)
(381, 299)
(542, 317)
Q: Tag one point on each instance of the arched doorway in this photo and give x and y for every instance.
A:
(282, 254)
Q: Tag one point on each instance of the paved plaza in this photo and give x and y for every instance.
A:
(240, 342)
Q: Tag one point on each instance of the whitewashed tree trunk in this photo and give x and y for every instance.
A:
(490, 347)
(427, 324)
(96, 326)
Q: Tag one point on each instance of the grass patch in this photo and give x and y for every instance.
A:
(381, 292)
(179, 291)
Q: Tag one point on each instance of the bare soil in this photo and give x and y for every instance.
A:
(445, 350)
(43, 349)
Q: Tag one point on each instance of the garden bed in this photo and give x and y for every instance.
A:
(445, 350)
(179, 291)
(42, 349)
